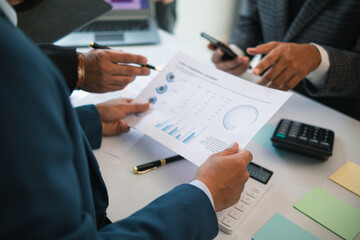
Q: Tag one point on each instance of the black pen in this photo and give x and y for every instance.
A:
(144, 168)
(95, 45)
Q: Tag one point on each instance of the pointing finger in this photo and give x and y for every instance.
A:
(216, 57)
(121, 57)
(266, 62)
(262, 48)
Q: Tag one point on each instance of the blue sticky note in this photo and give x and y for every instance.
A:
(263, 138)
(281, 228)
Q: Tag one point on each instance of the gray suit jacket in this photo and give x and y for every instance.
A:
(333, 24)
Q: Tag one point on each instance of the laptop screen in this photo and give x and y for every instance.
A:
(129, 4)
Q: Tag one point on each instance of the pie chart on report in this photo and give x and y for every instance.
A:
(240, 117)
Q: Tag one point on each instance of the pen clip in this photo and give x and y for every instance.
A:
(141, 172)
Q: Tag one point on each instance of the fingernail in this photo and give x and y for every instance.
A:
(256, 71)
(145, 104)
(233, 145)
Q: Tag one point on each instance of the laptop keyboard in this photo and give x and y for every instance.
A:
(110, 26)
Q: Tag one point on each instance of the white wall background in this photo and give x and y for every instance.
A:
(214, 17)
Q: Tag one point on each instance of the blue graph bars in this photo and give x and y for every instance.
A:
(180, 131)
(166, 128)
(174, 131)
(188, 139)
(159, 125)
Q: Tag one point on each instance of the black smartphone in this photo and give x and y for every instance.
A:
(228, 53)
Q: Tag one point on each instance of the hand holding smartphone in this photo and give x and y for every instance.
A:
(228, 53)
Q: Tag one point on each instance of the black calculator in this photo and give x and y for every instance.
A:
(304, 138)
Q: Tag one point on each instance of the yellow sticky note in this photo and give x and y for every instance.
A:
(348, 176)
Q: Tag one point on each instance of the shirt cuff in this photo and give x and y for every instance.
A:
(204, 188)
(237, 50)
(319, 75)
(255, 59)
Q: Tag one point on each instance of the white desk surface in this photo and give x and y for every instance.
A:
(295, 175)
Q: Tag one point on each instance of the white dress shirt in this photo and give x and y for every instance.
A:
(9, 11)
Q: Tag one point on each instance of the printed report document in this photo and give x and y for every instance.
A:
(197, 110)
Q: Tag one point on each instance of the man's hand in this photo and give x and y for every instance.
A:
(111, 113)
(235, 66)
(289, 63)
(225, 175)
(106, 70)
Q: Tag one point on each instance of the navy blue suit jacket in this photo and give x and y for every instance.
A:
(50, 182)
(65, 59)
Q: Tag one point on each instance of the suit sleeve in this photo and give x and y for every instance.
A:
(183, 213)
(91, 124)
(45, 177)
(247, 31)
(343, 78)
(66, 61)
(65, 58)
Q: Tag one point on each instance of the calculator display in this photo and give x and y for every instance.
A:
(259, 173)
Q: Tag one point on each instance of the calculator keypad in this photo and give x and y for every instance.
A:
(230, 218)
(304, 138)
(233, 216)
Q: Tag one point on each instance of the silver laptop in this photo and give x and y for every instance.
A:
(130, 22)
(50, 20)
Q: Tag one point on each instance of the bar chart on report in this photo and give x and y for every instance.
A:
(181, 130)
(188, 115)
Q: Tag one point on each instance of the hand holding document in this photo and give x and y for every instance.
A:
(197, 110)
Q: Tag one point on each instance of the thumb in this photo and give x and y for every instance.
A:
(211, 46)
(234, 148)
(216, 57)
(262, 48)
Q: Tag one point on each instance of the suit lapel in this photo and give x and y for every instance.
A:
(309, 11)
(280, 14)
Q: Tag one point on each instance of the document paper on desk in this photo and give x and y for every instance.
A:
(197, 110)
